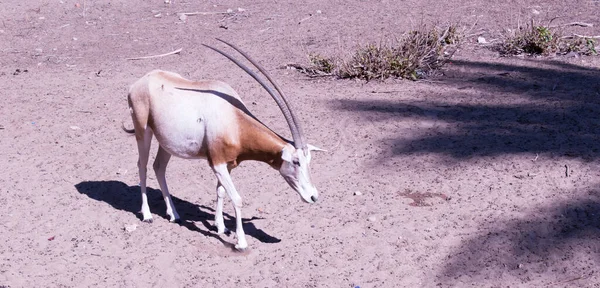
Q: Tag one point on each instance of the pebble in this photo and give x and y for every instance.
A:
(372, 219)
(130, 228)
(357, 193)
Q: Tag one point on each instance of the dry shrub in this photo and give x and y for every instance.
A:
(320, 63)
(412, 56)
(543, 40)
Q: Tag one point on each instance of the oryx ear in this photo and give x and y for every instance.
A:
(314, 148)
(286, 154)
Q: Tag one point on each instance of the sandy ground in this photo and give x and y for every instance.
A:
(486, 176)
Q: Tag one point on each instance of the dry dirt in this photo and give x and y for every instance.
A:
(485, 176)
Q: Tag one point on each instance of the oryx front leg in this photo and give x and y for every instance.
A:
(222, 173)
(144, 153)
(219, 222)
(160, 168)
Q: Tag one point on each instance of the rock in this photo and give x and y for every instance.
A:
(372, 219)
(481, 40)
(357, 193)
(130, 228)
(572, 55)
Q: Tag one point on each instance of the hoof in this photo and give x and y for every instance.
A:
(225, 231)
(178, 221)
(240, 249)
(149, 220)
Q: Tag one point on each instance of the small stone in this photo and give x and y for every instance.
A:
(357, 193)
(229, 10)
(183, 17)
(74, 127)
(241, 9)
(167, 1)
(121, 171)
(319, 12)
(572, 54)
(481, 40)
(372, 219)
(130, 228)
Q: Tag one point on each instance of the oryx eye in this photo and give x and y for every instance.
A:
(296, 162)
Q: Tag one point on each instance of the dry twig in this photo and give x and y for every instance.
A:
(203, 13)
(580, 36)
(156, 56)
(566, 281)
(580, 24)
(305, 18)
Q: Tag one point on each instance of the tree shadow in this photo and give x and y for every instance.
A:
(127, 198)
(566, 122)
(531, 78)
(486, 130)
(556, 244)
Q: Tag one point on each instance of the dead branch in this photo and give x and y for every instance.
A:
(580, 36)
(566, 281)
(475, 34)
(580, 24)
(202, 13)
(305, 18)
(156, 56)
(308, 71)
(444, 34)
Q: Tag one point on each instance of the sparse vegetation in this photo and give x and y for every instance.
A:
(320, 63)
(543, 40)
(412, 56)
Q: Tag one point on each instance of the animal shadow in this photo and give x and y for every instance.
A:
(127, 198)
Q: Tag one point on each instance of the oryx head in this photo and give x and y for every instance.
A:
(295, 165)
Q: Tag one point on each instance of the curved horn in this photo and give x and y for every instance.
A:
(301, 143)
(298, 143)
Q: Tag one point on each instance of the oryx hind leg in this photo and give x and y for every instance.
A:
(144, 153)
(160, 168)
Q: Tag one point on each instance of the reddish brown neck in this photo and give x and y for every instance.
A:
(259, 143)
